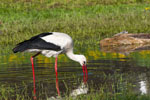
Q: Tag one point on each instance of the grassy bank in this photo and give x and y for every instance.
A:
(23, 92)
(87, 21)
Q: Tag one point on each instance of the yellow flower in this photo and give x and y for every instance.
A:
(12, 57)
(147, 8)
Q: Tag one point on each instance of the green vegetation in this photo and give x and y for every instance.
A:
(87, 21)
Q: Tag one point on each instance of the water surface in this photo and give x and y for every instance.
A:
(107, 71)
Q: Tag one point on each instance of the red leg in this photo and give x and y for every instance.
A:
(57, 86)
(34, 90)
(56, 66)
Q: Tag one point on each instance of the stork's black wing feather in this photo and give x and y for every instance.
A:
(36, 43)
(43, 45)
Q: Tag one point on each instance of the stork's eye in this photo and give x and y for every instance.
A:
(84, 62)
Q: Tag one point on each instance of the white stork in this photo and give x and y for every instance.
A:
(51, 44)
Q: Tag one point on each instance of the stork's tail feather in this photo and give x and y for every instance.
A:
(21, 47)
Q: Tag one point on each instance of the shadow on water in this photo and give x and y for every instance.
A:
(107, 71)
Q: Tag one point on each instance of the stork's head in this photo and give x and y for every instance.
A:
(82, 60)
(79, 58)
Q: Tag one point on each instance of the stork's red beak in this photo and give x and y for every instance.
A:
(84, 69)
(85, 73)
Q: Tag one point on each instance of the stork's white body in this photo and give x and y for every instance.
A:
(50, 44)
(60, 39)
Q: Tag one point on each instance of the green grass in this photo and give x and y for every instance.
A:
(87, 22)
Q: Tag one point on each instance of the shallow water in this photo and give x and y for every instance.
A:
(110, 72)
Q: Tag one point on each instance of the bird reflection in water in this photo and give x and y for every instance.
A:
(81, 89)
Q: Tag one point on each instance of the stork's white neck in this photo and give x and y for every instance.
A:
(79, 58)
(72, 56)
